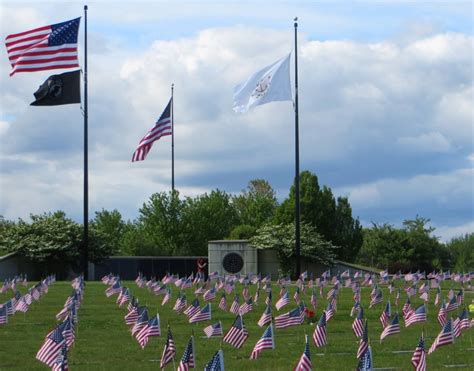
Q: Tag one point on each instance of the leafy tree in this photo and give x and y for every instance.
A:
(242, 232)
(282, 238)
(161, 219)
(412, 247)
(207, 217)
(333, 220)
(108, 228)
(50, 239)
(136, 240)
(6, 228)
(347, 231)
(462, 250)
(256, 205)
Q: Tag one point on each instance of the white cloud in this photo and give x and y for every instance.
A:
(445, 190)
(430, 142)
(448, 232)
(4, 125)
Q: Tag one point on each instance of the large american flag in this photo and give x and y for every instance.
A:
(320, 334)
(169, 351)
(161, 128)
(305, 360)
(418, 360)
(445, 337)
(187, 360)
(265, 342)
(237, 334)
(44, 48)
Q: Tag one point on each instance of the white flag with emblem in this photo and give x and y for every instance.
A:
(270, 84)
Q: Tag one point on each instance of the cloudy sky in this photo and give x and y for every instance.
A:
(386, 106)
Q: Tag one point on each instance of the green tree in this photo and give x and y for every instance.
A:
(412, 247)
(108, 228)
(207, 217)
(136, 240)
(50, 239)
(161, 220)
(7, 228)
(256, 205)
(462, 250)
(281, 237)
(333, 220)
(347, 231)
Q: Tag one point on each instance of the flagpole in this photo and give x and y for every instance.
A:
(297, 160)
(172, 139)
(86, 165)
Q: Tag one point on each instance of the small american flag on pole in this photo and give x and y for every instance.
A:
(44, 48)
(51, 347)
(418, 360)
(169, 351)
(292, 318)
(266, 317)
(162, 127)
(265, 342)
(417, 315)
(445, 337)
(364, 341)
(358, 324)
(305, 361)
(203, 315)
(151, 329)
(320, 334)
(237, 334)
(392, 328)
(214, 330)
(187, 361)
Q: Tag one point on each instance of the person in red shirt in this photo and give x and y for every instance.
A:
(201, 265)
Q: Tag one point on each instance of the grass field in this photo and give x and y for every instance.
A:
(103, 341)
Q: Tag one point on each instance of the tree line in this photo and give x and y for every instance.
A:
(170, 225)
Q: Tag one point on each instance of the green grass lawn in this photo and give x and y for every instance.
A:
(103, 341)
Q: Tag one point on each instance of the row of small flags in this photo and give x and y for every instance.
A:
(19, 302)
(12, 283)
(58, 342)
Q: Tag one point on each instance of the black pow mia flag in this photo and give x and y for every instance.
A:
(59, 89)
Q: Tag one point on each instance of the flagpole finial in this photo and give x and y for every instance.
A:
(85, 7)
